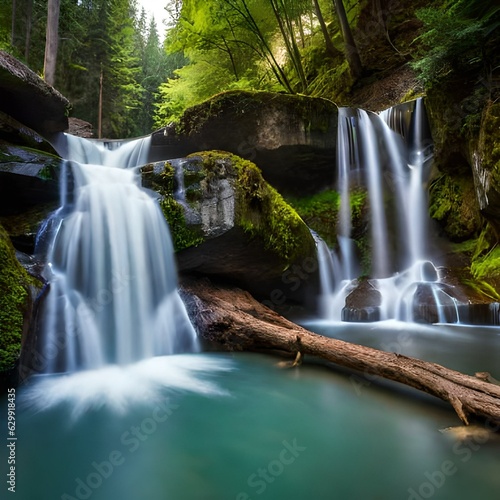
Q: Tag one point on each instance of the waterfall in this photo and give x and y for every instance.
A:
(389, 156)
(113, 284)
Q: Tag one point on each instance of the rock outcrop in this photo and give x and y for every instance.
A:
(29, 100)
(291, 138)
(228, 223)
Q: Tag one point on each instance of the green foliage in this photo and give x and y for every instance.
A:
(193, 84)
(13, 299)
(262, 212)
(454, 38)
(183, 236)
(488, 265)
(321, 212)
(485, 262)
(452, 203)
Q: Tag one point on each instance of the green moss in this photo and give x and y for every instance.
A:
(183, 236)
(243, 102)
(487, 266)
(321, 213)
(261, 211)
(466, 247)
(490, 141)
(14, 283)
(453, 204)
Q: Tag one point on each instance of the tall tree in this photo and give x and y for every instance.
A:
(330, 48)
(52, 41)
(352, 53)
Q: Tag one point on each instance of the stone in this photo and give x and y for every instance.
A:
(228, 223)
(29, 99)
(27, 178)
(291, 138)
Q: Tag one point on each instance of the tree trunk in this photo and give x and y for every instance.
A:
(328, 39)
(237, 322)
(29, 24)
(352, 53)
(51, 41)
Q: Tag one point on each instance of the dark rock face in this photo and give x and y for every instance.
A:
(29, 100)
(291, 138)
(29, 191)
(27, 178)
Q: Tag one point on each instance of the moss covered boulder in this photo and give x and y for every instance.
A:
(291, 138)
(16, 306)
(228, 223)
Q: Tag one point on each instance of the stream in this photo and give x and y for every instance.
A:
(235, 426)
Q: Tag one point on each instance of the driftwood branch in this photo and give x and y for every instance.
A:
(237, 322)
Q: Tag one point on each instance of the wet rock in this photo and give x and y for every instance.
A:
(362, 304)
(27, 178)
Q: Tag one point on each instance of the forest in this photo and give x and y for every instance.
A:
(250, 250)
(324, 48)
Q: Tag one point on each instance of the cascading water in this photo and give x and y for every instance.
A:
(389, 156)
(113, 286)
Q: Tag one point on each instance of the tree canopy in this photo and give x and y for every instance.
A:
(323, 48)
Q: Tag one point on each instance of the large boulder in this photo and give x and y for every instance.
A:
(291, 138)
(29, 99)
(228, 223)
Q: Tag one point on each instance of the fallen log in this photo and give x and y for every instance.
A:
(237, 322)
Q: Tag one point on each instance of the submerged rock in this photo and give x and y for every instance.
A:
(227, 222)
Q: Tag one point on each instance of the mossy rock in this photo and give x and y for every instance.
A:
(15, 303)
(231, 224)
(291, 137)
(453, 204)
(321, 213)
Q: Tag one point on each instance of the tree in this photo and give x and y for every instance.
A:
(352, 53)
(330, 48)
(52, 41)
(235, 320)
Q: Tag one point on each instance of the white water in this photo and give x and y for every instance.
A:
(389, 156)
(113, 285)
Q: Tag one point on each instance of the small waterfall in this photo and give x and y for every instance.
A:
(389, 156)
(113, 284)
